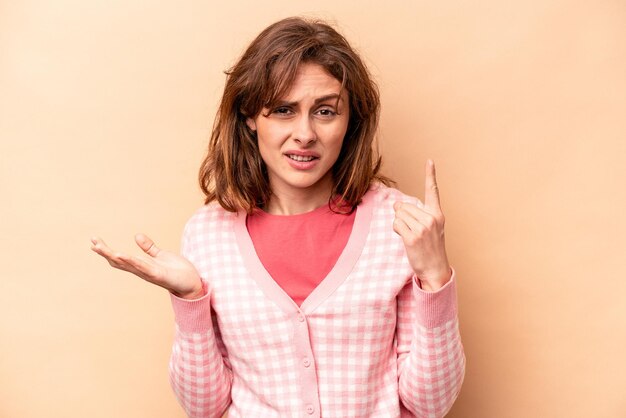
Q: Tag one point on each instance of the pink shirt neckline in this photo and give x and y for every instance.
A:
(323, 208)
(345, 263)
(305, 246)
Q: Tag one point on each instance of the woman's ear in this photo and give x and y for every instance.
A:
(251, 124)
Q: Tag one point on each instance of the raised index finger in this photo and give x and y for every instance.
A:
(431, 190)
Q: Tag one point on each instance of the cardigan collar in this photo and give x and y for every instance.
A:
(344, 265)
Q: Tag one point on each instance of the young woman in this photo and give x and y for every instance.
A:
(307, 287)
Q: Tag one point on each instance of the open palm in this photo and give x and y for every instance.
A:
(163, 268)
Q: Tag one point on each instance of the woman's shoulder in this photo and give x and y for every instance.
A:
(209, 216)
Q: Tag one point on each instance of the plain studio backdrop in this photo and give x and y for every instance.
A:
(105, 112)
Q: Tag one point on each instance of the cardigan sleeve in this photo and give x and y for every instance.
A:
(431, 360)
(199, 371)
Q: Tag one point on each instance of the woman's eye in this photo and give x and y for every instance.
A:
(282, 111)
(326, 112)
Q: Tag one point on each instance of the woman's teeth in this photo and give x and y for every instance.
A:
(301, 158)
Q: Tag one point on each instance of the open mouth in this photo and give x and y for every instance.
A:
(301, 158)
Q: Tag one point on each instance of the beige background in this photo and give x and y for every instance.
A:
(105, 112)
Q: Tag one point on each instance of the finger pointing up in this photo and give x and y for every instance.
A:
(431, 191)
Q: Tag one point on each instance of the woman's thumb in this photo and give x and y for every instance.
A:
(147, 245)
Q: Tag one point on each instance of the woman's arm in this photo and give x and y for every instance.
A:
(431, 361)
(199, 370)
(430, 354)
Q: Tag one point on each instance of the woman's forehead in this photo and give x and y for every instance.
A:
(312, 80)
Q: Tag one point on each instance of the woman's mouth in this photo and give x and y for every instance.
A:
(301, 158)
(302, 162)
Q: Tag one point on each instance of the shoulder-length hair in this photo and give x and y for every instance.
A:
(233, 172)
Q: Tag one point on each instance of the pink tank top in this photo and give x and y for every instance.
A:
(299, 251)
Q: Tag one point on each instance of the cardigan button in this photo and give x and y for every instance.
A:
(300, 317)
(306, 362)
(310, 409)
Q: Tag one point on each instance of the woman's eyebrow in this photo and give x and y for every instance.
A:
(324, 98)
(335, 96)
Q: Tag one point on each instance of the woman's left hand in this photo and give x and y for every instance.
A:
(421, 229)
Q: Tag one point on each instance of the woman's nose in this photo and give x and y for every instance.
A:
(304, 131)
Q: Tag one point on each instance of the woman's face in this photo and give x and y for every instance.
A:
(300, 139)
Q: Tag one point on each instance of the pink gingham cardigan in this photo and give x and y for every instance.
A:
(367, 342)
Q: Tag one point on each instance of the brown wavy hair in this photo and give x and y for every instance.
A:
(233, 172)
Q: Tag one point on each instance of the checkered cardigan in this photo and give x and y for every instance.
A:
(367, 342)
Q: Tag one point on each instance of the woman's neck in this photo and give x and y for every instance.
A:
(293, 201)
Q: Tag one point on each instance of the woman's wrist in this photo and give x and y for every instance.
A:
(196, 293)
(432, 285)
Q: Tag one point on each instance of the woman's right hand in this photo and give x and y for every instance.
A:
(164, 268)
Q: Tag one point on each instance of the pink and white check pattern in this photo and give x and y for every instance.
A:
(375, 346)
